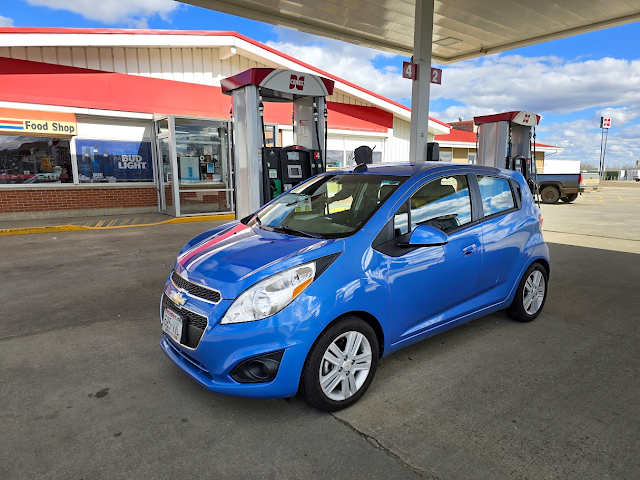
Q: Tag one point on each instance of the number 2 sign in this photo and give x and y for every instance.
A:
(436, 75)
(410, 70)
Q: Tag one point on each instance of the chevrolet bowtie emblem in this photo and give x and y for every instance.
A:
(179, 298)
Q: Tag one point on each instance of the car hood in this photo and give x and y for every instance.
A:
(233, 259)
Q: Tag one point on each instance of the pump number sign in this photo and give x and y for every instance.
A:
(410, 71)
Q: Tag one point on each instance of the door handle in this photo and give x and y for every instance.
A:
(470, 250)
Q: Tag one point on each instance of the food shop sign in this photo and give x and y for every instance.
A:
(37, 124)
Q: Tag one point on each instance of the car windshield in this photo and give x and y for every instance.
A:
(328, 206)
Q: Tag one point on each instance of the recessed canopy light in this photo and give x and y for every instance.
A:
(445, 42)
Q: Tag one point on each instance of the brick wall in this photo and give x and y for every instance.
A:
(75, 198)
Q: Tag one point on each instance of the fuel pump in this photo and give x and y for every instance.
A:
(505, 141)
(261, 172)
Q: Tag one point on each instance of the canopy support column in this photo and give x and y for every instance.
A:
(423, 32)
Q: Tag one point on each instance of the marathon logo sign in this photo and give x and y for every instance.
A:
(296, 82)
(50, 128)
(132, 162)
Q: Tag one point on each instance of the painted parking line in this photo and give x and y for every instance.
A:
(72, 227)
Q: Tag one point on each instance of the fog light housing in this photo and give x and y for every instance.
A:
(260, 369)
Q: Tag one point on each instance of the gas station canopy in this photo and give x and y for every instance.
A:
(462, 29)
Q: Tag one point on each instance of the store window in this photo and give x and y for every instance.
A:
(113, 161)
(446, 156)
(340, 150)
(269, 136)
(472, 159)
(25, 160)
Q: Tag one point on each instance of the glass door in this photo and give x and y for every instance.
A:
(165, 171)
(203, 167)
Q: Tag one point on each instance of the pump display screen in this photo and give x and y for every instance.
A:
(295, 171)
(293, 155)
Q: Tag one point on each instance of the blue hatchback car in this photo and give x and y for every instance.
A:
(308, 293)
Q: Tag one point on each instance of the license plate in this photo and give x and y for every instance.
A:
(172, 325)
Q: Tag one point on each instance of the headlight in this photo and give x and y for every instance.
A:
(271, 295)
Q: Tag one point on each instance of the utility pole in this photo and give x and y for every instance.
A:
(605, 125)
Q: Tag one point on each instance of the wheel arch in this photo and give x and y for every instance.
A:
(543, 262)
(367, 317)
(558, 186)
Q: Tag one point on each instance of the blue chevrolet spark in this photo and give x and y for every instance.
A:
(309, 292)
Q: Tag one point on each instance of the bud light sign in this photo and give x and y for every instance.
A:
(104, 161)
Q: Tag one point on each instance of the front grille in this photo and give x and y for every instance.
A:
(193, 324)
(195, 289)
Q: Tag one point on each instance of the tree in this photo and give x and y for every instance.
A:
(587, 166)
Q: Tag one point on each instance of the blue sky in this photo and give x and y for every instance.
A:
(571, 82)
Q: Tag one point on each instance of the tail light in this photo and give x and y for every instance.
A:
(580, 178)
(541, 219)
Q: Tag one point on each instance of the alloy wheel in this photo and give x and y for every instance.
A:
(533, 293)
(345, 366)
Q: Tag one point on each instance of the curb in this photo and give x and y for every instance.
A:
(74, 228)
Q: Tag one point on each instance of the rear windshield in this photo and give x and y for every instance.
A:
(327, 206)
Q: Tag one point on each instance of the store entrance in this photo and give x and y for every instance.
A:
(193, 165)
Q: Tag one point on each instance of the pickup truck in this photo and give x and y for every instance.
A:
(567, 187)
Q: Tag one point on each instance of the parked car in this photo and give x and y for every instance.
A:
(566, 187)
(309, 292)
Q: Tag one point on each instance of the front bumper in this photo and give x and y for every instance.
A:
(222, 347)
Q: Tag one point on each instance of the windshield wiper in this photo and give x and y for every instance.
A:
(287, 228)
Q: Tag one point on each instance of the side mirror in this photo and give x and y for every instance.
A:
(427, 236)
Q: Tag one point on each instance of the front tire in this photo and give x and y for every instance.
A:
(550, 195)
(530, 295)
(341, 365)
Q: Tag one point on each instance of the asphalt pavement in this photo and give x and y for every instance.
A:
(87, 393)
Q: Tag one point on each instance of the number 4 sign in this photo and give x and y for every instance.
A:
(410, 70)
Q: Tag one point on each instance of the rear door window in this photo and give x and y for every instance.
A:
(496, 195)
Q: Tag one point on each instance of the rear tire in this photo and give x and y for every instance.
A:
(569, 198)
(530, 295)
(341, 365)
(550, 195)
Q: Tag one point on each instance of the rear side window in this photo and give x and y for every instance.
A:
(496, 195)
(444, 203)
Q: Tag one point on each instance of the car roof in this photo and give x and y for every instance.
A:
(425, 168)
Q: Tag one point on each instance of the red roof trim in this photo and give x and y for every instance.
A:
(463, 136)
(203, 33)
(500, 117)
(25, 81)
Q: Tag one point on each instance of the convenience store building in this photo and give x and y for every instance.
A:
(93, 121)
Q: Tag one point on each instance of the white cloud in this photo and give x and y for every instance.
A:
(504, 82)
(350, 62)
(581, 141)
(6, 21)
(134, 13)
(621, 116)
(542, 84)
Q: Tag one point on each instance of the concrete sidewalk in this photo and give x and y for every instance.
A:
(51, 225)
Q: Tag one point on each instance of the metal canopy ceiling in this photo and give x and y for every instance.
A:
(462, 29)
